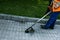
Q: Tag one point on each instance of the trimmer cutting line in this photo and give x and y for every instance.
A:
(30, 29)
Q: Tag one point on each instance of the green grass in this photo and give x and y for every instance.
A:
(21, 8)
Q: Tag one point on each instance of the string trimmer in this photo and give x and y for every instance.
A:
(30, 29)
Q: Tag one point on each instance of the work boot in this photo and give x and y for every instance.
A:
(51, 27)
(43, 27)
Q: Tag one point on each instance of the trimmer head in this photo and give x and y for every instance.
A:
(29, 30)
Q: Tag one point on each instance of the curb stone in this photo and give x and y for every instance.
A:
(23, 19)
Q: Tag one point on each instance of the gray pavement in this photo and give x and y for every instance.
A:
(12, 30)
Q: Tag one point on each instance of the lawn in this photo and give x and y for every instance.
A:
(23, 8)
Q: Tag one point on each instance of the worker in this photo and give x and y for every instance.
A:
(55, 10)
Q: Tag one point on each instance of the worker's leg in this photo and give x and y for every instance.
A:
(52, 20)
(52, 25)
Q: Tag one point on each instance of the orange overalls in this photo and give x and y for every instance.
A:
(55, 6)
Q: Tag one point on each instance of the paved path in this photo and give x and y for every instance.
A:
(11, 30)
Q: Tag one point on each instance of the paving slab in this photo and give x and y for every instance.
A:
(12, 30)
